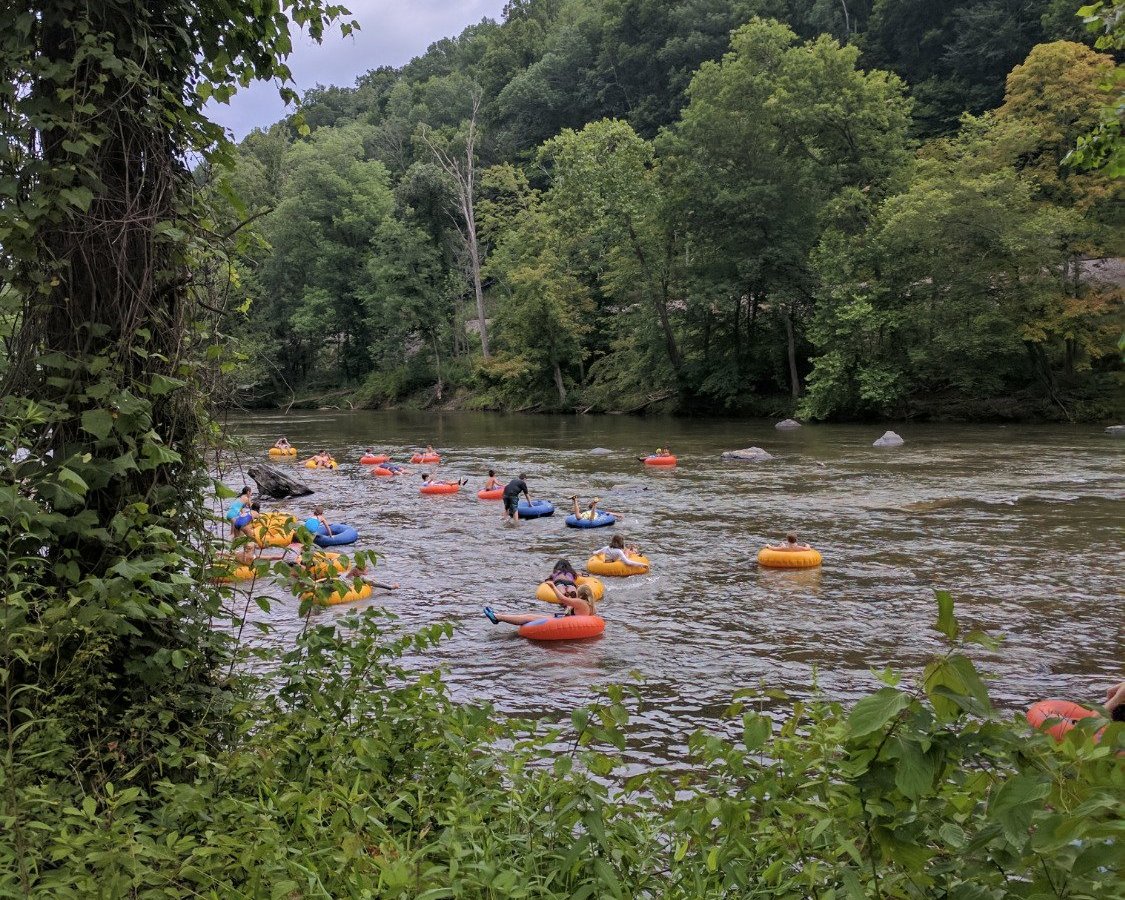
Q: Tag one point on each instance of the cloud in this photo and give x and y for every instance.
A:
(391, 33)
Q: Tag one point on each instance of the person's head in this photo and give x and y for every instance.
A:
(425, 476)
(318, 510)
(563, 565)
(585, 592)
(245, 492)
(523, 477)
(370, 452)
(491, 473)
(323, 452)
(791, 538)
(256, 506)
(617, 542)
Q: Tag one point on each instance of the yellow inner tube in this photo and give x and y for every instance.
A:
(324, 565)
(545, 593)
(277, 451)
(311, 464)
(349, 596)
(598, 566)
(273, 530)
(788, 559)
(227, 571)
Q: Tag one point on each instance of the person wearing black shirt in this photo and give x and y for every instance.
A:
(512, 491)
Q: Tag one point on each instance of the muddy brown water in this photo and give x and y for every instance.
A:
(1022, 524)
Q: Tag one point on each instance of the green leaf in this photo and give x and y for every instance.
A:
(873, 712)
(98, 422)
(946, 623)
(162, 384)
(179, 659)
(914, 770)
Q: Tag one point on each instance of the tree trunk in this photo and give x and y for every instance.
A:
(277, 485)
(791, 346)
(659, 301)
(559, 381)
(437, 364)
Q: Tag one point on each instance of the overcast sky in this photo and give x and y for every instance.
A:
(392, 33)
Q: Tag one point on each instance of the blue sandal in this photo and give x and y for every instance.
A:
(491, 615)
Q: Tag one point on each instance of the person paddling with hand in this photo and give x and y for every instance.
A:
(511, 497)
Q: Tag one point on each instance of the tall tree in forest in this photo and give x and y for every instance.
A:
(460, 166)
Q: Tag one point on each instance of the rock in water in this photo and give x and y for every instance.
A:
(889, 439)
(788, 423)
(600, 451)
(750, 454)
(277, 485)
(1116, 431)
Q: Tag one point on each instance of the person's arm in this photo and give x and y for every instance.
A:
(1115, 696)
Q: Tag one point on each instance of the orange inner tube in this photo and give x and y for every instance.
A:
(563, 628)
(440, 488)
(373, 460)
(382, 473)
(425, 458)
(1066, 712)
(494, 494)
(660, 460)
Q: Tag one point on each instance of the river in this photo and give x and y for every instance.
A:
(1022, 523)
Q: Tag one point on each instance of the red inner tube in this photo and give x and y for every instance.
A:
(660, 460)
(425, 458)
(1049, 710)
(563, 628)
(440, 488)
(494, 494)
(373, 460)
(381, 472)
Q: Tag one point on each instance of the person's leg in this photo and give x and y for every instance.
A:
(577, 511)
(521, 619)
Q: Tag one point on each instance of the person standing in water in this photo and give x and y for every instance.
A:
(512, 491)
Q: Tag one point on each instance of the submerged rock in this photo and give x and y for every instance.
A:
(889, 439)
(1116, 431)
(600, 451)
(788, 423)
(750, 454)
(277, 485)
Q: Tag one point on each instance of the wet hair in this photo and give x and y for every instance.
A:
(617, 542)
(491, 473)
(791, 538)
(563, 565)
(318, 510)
(523, 477)
(245, 490)
(585, 592)
(256, 506)
(425, 476)
(1117, 714)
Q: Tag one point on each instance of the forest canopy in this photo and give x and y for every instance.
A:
(845, 209)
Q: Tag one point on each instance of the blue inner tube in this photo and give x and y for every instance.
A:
(341, 534)
(600, 521)
(535, 509)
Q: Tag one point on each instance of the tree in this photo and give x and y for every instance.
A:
(462, 173)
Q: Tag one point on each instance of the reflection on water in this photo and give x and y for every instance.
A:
(1022, 524)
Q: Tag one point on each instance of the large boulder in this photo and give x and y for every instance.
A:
(1116, 431)
(276, 485)
(787, 424)
(889, 439)
(750, 454)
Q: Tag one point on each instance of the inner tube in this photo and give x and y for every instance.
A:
(441, 488)
(660, 460)
(325, 565)
(227, 571)
(601, 520)
(788, 559)
(312, 464)
(273, 530)
(1063, 713)
(545, 593)
(341, 534)
(277, 451)
(494, 494)
(369, 460)
(536, 509)
(563, 628)
(425, 458)
(383, 473)
(348, 596)
(597, 565)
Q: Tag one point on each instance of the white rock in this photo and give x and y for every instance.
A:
(889, 439)
(1116, 431)
(600, 451)
(788, 423)
(750, 454)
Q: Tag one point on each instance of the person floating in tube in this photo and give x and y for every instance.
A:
(512, 491)
(580, 604)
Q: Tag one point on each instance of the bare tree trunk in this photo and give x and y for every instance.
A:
(559, 381)
(437, 364)
(463, 173)
(791, 342)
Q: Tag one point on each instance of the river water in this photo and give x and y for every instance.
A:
(1023, 524)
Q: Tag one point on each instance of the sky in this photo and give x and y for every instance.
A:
(392, 32)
